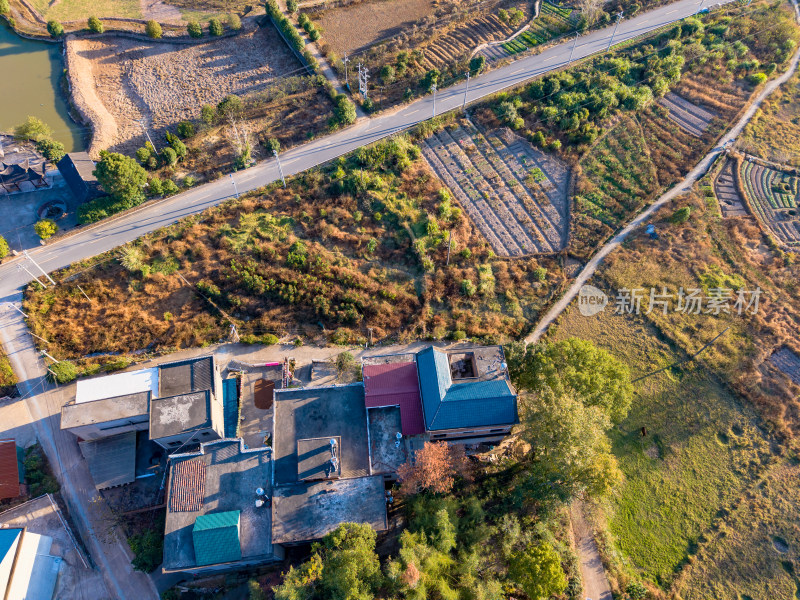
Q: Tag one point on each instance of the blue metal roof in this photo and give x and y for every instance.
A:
(466, 404)
(230, 407)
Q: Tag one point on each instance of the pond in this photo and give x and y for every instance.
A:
(31, 73)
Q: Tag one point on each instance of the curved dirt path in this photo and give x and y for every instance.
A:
(681, 188)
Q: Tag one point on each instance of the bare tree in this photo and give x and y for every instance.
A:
(590, 9)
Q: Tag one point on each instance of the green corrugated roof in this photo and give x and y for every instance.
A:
(216, 538)
(230, 407)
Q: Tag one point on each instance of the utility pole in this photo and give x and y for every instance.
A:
(571, 52)
(234, 334)
(147, 133)
(16, 308)
(84, 293)
(466, 89)
(619, 18)
(433, 89)
(235, 189)
(24, 268)
(449, 246)
(28, 256)
(45, 353)
(280, 169)
(363, 77)
(346, 60)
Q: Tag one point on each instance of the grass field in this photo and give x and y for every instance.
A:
(754, 555)
(701, 451)
(76, 10)
(774, 132)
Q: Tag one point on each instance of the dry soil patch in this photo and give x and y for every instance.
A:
(116, 81)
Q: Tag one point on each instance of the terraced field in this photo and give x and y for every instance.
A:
(688, 116)
(551, 22)
(460, 43)
(515, 194)
(730, 202)
(773, 196)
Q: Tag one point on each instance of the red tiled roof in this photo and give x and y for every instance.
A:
(9, 470)
(396, 384)
(187, 486)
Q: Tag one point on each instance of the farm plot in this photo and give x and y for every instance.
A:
(773, 197)
(460, 42)
(705, 90)
(514, 194)
(730, 202)
(551, 22)
(688, 116)
(788, 363)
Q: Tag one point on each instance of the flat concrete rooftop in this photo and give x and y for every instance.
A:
(308, 511)
(105, 410)
(308, 413)
(178, 414)
(384, 424)
(231, 478)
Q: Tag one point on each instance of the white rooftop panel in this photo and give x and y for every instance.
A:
(119, 384)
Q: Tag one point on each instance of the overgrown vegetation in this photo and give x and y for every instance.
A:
(38, 475)
(361, 243)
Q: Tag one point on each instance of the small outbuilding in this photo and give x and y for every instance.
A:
(77, 169)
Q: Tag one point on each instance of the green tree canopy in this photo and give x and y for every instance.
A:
(538, 572)
(45, 228)
(33, 129)
(4, 249)
(121, 177)
(577, 368)
(570, 451)
(55, 29)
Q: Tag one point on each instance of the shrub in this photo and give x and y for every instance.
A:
(468, 288)
(148, 549)
(269, 339)
(477, 63)
(45, 228)
(303, 20)
(234, 22)
(119, 363)
(143, 155)
(169, 156)
(208, 113)
(539, 274)
(55, 29)
(4, 248)
(99, 208)
(636, 591)
(215, 27)
(757, 78)
(195, 29)
(37, 473)
(345, 111)
(95, 25)
(185, 129)
(291, 6)
(52, 150)
(153, 29)
(314, 35)
(170, 187)
(4, 8)
(189, 181)
(680, 216)
(459, 335)
(255, 591)
(155, 187)
(387, 74)
(63, 372)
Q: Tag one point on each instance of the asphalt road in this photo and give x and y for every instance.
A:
(114, 232)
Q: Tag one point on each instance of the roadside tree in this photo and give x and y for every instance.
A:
(538, 572)
(4, 249)
(345, 111)
(121, 177)
(45, 228)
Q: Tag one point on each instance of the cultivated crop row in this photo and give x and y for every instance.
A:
(688, 116)
(551, 22)
(730, 203)
(773, 196)
(492, 180)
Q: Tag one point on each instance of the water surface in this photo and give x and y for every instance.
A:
(30, 72)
